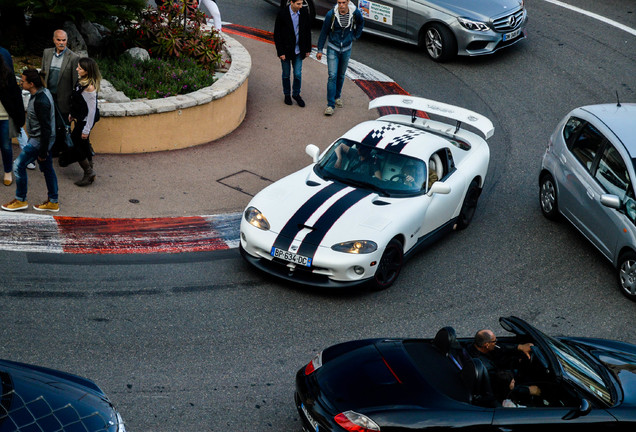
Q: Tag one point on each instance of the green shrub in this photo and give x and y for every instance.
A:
(176, 30)
(104, 12)
(155, 78)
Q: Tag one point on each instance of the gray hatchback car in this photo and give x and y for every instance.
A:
(445, 28)
(588, 174)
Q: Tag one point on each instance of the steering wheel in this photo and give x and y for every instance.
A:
(398, 177)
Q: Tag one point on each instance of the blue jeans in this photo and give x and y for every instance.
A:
(30, 154)
(297, 63)
(5, 144)
(337, 63)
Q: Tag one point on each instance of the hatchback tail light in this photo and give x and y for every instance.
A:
(355, 422)
(314, 364)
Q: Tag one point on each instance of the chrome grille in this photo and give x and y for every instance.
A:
(509, 22)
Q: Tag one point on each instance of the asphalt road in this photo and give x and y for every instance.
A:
(201, 342)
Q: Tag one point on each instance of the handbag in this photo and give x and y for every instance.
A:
(65, 142)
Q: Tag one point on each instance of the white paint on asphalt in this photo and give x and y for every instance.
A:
(593, 15)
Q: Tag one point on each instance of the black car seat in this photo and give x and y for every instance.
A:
(475, 376)
(446, 343)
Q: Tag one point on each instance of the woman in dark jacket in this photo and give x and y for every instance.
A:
(11, 107)
(83, 113)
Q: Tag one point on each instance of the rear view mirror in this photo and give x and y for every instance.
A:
(313, 151)
(582, 410)
(439, 187)
(611, 201)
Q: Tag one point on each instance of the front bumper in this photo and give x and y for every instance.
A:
(475, 43)
(300, 275)
(329, 269)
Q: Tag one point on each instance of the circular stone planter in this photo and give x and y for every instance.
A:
(176, 122)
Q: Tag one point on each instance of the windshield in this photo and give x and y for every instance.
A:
(387, 173)
(577, 369)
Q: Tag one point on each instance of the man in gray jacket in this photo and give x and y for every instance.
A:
(59, 65)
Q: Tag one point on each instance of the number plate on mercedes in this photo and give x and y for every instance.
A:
(511, 35)
(291, 257)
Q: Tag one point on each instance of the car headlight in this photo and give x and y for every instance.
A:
(256, 218)
(473, 25)
(356, 247)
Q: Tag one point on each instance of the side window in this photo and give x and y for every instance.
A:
(586, 145)
(571, 128)
(613, 176)
(450, 162)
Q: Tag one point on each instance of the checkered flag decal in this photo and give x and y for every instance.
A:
(398, 144)
(376, 135)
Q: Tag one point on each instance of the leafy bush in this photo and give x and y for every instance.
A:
(155, 78)
(175, 29)
(104, 12)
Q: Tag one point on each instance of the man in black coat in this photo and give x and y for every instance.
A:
(292, 36)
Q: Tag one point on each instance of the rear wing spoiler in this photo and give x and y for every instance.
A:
(478, 121)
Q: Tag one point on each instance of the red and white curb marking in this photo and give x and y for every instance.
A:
(54, 234)
(79, 235)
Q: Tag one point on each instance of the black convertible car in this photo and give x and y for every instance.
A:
(393, 385)
(38, 399)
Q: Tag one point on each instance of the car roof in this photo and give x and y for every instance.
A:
(620, 119)
(397, 138)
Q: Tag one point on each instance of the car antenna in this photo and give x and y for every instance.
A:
(618, 102)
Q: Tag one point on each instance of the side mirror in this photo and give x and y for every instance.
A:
(583, 409)
(438, 187)
(313, 151)
(611, 201)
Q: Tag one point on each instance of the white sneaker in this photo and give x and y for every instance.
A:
(329, 111)
(31, 166)
(339, 103)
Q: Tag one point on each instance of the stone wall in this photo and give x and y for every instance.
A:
(141, 126)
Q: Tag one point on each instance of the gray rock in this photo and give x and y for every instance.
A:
(75, 40)
(91, 34)
(138, 53)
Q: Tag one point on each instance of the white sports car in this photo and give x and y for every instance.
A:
(384, 190)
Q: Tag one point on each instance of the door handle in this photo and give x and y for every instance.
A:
(590, 193)
(562, 159)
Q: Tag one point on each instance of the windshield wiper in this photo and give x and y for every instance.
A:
(365, 185)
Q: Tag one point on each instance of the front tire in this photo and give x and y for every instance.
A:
(469, 206)
(627, 275)
(389, 266)
(548, 197)
(439, 42)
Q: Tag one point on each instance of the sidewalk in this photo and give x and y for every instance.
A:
(216, 179)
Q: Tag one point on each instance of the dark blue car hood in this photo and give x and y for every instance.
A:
(620, 360)
(51, 399)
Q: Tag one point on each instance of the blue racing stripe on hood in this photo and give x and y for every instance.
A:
(311, 242)
(297, 221)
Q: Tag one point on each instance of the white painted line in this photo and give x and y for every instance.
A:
(595, 16)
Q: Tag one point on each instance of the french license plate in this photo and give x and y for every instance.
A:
(312, 422)
(291, 257)
(511, 35)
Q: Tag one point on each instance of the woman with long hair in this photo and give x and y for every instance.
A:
(83, 112)
(11, 107)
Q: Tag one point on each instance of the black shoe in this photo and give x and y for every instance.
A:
(288, 100)
(299, 101)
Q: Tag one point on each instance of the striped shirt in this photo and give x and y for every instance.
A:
(344, 19)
